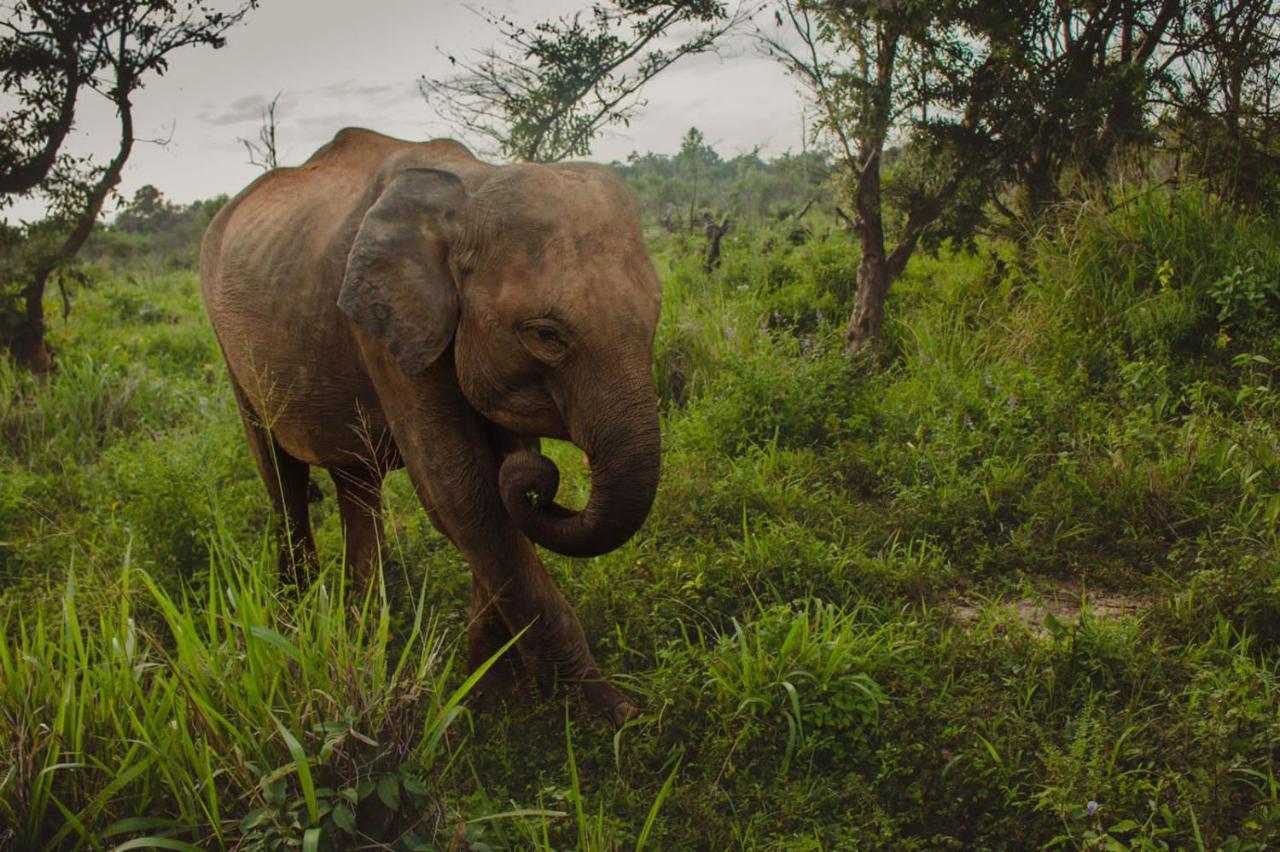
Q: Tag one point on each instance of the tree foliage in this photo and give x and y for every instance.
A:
(154, 230)
(47, 53)
(62, 49)
(1224, 108)
(53, 51)
(680, 192)
(1068, 87)
(551, 88)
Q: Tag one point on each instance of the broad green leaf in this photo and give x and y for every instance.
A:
(389, 791)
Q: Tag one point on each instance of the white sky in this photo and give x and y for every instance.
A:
(341, 63)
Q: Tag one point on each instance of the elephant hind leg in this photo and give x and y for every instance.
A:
(360, 507)
(288, 482)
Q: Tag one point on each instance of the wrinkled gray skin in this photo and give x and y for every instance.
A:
(393, 304)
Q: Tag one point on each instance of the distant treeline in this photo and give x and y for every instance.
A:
(151, 226)
(684, 189)
(679, 192)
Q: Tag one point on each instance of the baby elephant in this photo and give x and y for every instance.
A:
(392, 303)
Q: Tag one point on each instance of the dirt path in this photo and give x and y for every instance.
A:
(1065, 600)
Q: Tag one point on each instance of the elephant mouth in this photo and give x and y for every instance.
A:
(529, 483)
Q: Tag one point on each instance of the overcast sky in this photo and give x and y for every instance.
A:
(339, 63)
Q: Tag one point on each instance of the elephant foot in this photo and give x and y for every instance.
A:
(607, 700)
(505, 681)
(581, 680)
(550, 659)
(503, 684)
(513, 680)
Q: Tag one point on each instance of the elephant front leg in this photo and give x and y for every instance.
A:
(451, 457)
(553, 651)
(487, 635)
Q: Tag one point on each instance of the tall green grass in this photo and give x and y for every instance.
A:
(224, 717)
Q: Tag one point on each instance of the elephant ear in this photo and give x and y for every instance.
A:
(398, 286)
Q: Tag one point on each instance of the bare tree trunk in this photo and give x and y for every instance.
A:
(868, 301)
(1040, 186)
(693, 202)
(876, 274)
(715, 233)
(28, 345)
(878, 268)
(873, 270)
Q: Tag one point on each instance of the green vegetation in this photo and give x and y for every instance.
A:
(53, 58)
(812, 616)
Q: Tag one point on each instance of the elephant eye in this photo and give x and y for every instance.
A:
(544, 340)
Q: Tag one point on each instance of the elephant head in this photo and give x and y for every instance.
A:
(536, 279)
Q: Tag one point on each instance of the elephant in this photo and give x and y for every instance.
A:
(395, 304)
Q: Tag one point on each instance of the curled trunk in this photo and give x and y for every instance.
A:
(625, 454)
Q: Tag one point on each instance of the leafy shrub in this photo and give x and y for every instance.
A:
(784, 391)
(1244, 298)
(1225, 265)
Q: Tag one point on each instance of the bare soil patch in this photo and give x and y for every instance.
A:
(1065, 600)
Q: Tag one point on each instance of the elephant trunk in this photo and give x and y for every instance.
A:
(625, 450)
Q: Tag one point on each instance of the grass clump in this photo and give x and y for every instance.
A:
(230, 717)
(813, 667)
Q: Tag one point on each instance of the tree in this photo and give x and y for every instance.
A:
(1223, 93)
(971, 98)
(262, 151)
(881, 72)
(1073, 88)
(552, 88)
(65, 47)
(148, 212)
(695, 159)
